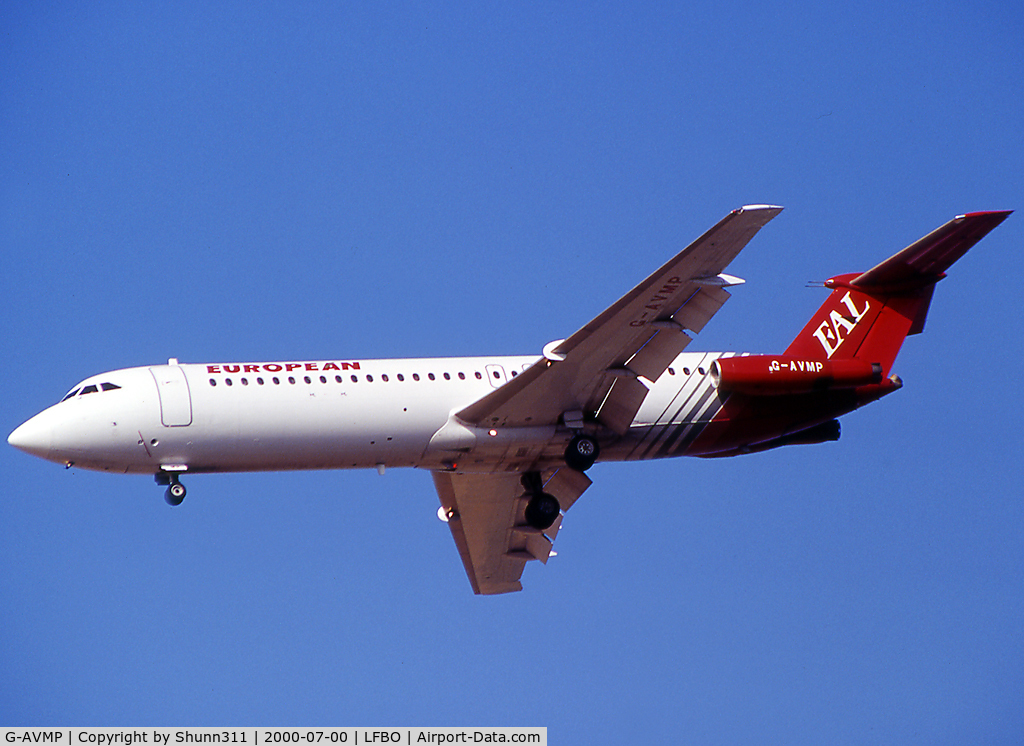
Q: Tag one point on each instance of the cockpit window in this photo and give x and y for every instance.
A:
(92, 388)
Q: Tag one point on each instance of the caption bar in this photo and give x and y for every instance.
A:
(269, 736)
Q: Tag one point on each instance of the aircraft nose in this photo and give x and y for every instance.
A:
(34, 436)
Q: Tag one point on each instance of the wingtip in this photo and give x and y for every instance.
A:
(751, 208)
(997, 216)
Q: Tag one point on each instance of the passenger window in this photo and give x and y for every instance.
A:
(478, 376)
(384, 377)
(401, 377)
(430, 376)
(462, 376)
(415, 376)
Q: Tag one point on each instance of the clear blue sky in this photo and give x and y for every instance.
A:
(261, 181)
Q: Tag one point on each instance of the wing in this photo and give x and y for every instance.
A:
(596, 371)
(486, 517)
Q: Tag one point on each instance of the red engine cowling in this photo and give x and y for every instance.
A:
(771, 374)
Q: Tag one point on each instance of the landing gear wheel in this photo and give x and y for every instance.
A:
(542, 510)
(581, 453)
(175, 493)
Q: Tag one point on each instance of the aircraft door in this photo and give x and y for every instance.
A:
(175, 400)
(496, 375)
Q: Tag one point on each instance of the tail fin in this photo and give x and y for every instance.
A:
(868, 315)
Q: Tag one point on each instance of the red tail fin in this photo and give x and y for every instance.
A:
(867, 316)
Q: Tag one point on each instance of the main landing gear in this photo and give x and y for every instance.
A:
(542, 509)
(175, 489)
(582, 452)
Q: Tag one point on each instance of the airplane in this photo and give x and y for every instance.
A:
(508, 440)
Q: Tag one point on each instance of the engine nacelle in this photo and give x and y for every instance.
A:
(771, 374)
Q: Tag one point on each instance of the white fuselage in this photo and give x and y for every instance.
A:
(331, 415)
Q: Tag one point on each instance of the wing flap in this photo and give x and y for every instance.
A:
(653, 358)
(700, 307)
(567, 485)
(537, 543)
(621, 404)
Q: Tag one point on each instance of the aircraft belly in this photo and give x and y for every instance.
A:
(751, 420)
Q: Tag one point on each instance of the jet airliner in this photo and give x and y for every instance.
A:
(508, 440)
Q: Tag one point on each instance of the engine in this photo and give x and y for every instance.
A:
(770, 374)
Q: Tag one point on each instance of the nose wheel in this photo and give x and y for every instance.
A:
(175, 489)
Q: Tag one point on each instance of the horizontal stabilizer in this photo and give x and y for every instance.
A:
(926, 260)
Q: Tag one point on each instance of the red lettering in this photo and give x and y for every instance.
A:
(278, 367)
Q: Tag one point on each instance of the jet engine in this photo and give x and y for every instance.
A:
(770, 374)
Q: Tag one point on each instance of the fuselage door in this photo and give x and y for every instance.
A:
(175, 400)
(496, 375)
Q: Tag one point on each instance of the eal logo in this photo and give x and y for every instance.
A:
(836, 328)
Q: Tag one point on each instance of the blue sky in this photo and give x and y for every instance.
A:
(254, 181)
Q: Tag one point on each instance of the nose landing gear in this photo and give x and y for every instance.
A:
(175, 489)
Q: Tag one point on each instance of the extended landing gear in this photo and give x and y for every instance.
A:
(542, 509)
(175, 489)
(581, 453)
